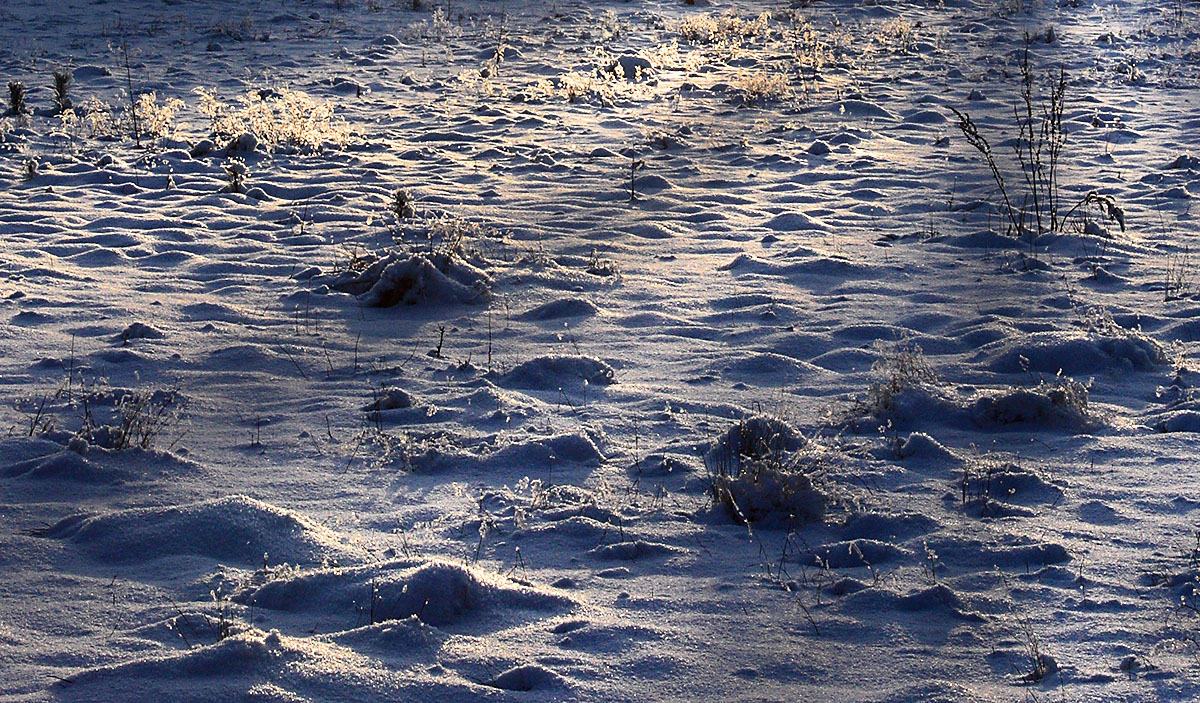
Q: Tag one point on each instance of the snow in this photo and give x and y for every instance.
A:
(597, 351)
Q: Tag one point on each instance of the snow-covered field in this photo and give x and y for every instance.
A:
(604, 351)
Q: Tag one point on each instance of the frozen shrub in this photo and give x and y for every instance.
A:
(16, 98)
(760, 88)
(154, 119)
(669, 55)
(897, 34)
(764, 489)
(762, 469)
(1063, 403)
(235, 175)
(401, 206)
(62, 90)
(92, 119)
(277, 119)
(903, 390)
(96, 119)
(755, 437)
(140, 416)
(899, 367)
(1131, 345)
(727, 28)
(432, 261)
(600, 86)
(438, 29)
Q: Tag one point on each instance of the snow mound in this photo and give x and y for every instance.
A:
(435, 592)
(235, 528)
(1026, 556)
(547, 373)
(764, 368)
(583, 528)
(409, 636)
(573, 447)
(854, 554)
(1095, 512)
(880, 526)
(1052, 352)
(633, 550)
(563, 307)
(994, 489)
(938, 599)
(1179, 421)
(631, 67)
(1185, 162)
(23, 449)
(390, 399)
(260, 667)
(519, 452)
(935, 691)
(903, 408)
(415, 279)
(1020, 553)
(61, 465)
(762, 491)
(861, 109)
(138, 330)
(795, 222)
(1019, 484)
(650, 183)
(921, 446)
(527, 678)
(1062, 405)
(231, 660)
(69, 457)
(755, 437)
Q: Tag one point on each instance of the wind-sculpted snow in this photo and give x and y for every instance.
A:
(236, 528)
(601, 351)
(437, 593)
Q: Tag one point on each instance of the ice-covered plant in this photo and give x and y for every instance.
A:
(95, 119)
(1061, 402)
(897, 34)
(760, 88)
(1131, 344)
(142, 416)
(156, 120)
(899, 367)
(635, 164)
(16, 98)
(1038, 148)
(762, 469)
(62, 88)
(437, 29)
(447, 234)
(727, 28)
(401, 206)
(277, 119)
(91, 118)
(235, 175)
